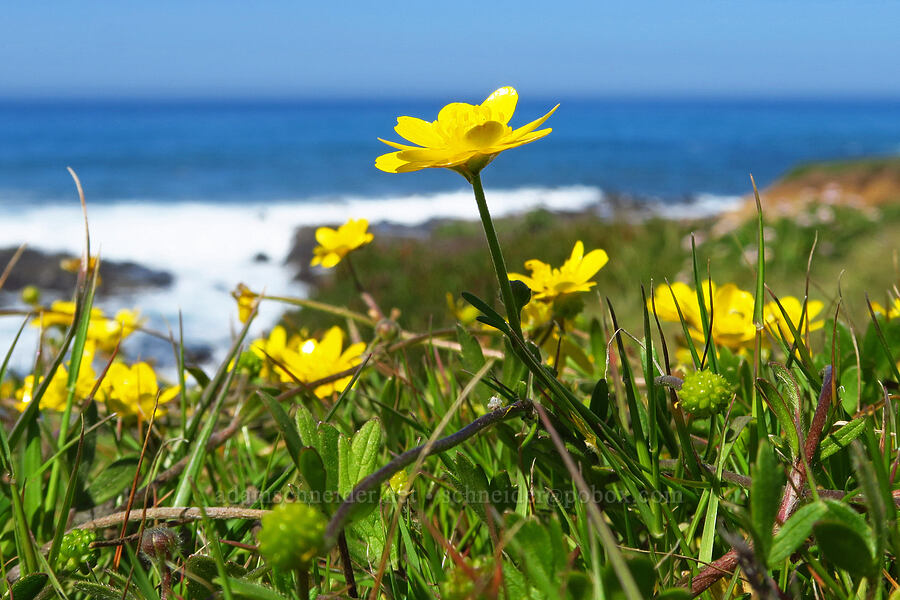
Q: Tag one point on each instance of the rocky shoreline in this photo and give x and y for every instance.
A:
(43, 270)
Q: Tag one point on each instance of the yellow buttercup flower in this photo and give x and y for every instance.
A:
(132, 391)
(311, 360)
(461, 310)
(464, 137)
(573, 276)
(55, 395)
(537, 314)
(271, 350)
(247, 301)
(732, 312)
(104, 331)
(335, 244)
(777, 325)
(73, 265)
(732, 317)
(666, 297)
(892, 312)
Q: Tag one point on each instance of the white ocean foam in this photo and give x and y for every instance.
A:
(700, 206)
(209, 248)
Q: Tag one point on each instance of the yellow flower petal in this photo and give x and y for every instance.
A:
(396, 145)
(417, 131)
(502, 103)
(486, 134)
(521, 131)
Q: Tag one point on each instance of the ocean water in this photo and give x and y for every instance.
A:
(199, 188)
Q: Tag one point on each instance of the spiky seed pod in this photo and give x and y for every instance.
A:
(291, 536)
(75, 550)
(159, 543)
(704, 393)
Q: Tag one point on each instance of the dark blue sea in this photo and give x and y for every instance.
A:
(201, 188)
(245, 152)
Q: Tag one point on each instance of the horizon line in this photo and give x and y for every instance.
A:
(441, 97)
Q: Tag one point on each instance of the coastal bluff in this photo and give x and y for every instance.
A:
(860, 183)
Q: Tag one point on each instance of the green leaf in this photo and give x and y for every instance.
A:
(96, 591)
(642, 570)
(674, 594)
(539, 551)
(844, 546)
(308, 428)
(327, 446)
(488, 315)
(598, 347)
(472, 356)
(29, 586)
(795, 531)
(285, 426)
(364, 449)
(241, 588)
(312, 469)
(790, 385)
(765, 497)
(503, 494)
(876, 487)
(199, 376)
(200, 574)
(840, 439)
(779, 407)
(600, 399)
(113, 480)
(473, 484)
(850, 389)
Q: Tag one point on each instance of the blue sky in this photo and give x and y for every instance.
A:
(281, 48)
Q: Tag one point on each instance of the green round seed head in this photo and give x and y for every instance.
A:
(291, 536)
(704, 393)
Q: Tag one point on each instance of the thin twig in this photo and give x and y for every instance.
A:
(165, 513)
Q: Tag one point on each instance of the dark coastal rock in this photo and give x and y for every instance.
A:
(42, 269)
(301, 253)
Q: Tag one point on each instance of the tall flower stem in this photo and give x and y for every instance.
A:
(506, 293)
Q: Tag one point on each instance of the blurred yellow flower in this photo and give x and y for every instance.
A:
(271, 350)
(464, 137)
(732, 312)
(247, 301)
(777, 325)
(54, 397)
(574, 275)
(732, 317)
(317, 359)
(132, 391)
(104, 331)
(461, 310)
(73, 265)
(666, 297)
(308, 360)
(335, 244)
(537, 314)
(892, 312)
